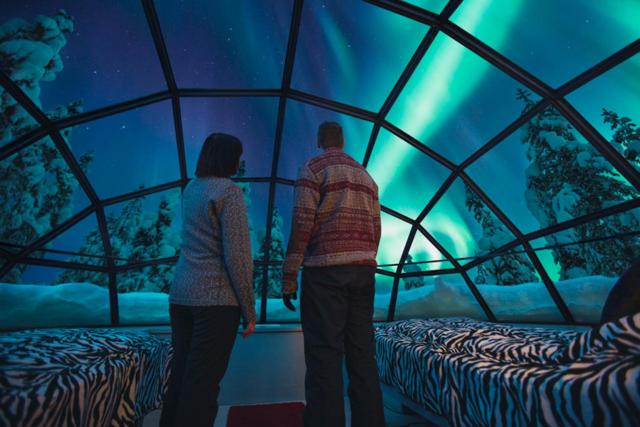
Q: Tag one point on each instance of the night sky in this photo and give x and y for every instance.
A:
(349, 51)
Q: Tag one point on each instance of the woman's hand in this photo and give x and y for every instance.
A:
(249, 329)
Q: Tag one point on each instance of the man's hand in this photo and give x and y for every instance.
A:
(289, 289)
(287, 300)
(249, 329)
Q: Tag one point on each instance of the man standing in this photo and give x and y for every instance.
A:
(335, 234)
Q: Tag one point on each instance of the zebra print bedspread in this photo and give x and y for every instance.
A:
(80, 377)
(485, 374)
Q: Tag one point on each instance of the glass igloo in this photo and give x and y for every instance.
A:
(502, 134)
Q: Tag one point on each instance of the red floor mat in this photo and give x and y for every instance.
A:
(271, 415)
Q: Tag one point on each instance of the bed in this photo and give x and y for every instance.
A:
(475, 373)
(84, 377)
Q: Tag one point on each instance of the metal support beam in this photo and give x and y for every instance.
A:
(294, 29)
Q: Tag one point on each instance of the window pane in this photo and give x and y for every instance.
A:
(299, 138)
(547, 173)
(514, 290)
(139, 144)
(464, 225)
(406, 177)
(82, 244)
(393, 241)
(92, 52)
(143, 294)
(423, 256)
(617, 92)
(382, 298)
(34, 296)
(437, 296)
(585, 272)
(455, 102)
(38, 192)
(252, 120)
(145, 228)
(353, 52)
(256, 198)
(226, 43)
(571, 35)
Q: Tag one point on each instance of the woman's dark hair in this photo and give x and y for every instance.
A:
(220, 156)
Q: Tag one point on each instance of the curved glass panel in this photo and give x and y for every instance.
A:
(392, 243)
(424, 256)
(81, 244)
(547, 173)
(139, 144)
(437, 296)
(145, 228)
(252, 120)
(575, 35)
(217, 44)
(143, 294)
(300, 136)
(611, 105)
(406, 177)
(382, 298)
(38, 192)
(339, 58)
(87, 54)
(513, 289)
(455, 101)
(586, 261)
(35, 297)
(464, 225)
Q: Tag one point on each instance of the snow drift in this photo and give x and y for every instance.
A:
(85, 304)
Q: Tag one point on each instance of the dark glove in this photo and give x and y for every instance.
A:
(286, 298)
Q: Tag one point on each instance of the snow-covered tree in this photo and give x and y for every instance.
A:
(137, 236)
(626, 136)
(568, 178)
(508, 269)
(277, 253)
(412, 282)
(36, 185)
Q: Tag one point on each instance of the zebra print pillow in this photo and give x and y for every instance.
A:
(84, 377)
(485, 374)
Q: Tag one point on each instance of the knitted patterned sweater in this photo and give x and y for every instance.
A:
(215, 265)
(336, 216)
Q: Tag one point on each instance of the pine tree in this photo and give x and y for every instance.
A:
(508, 269)
(626, 136)
(412, 282)
(568, 178)
(277, 253)
(36, 185)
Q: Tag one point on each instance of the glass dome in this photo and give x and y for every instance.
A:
(502, 134)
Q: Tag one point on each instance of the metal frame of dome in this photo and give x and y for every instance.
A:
(437, 23)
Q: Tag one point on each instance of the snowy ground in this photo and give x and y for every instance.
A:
(82, 304)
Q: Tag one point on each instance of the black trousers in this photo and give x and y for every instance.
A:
(202, 339)
(337, 313)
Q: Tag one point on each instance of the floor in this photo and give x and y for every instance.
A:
(268, 367)
(393, 418)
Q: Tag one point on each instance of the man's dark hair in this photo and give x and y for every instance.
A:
(330, 135)
(220, 156)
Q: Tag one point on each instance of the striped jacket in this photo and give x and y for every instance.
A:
(336, 216)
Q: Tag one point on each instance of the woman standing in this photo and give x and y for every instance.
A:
(213, 285)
